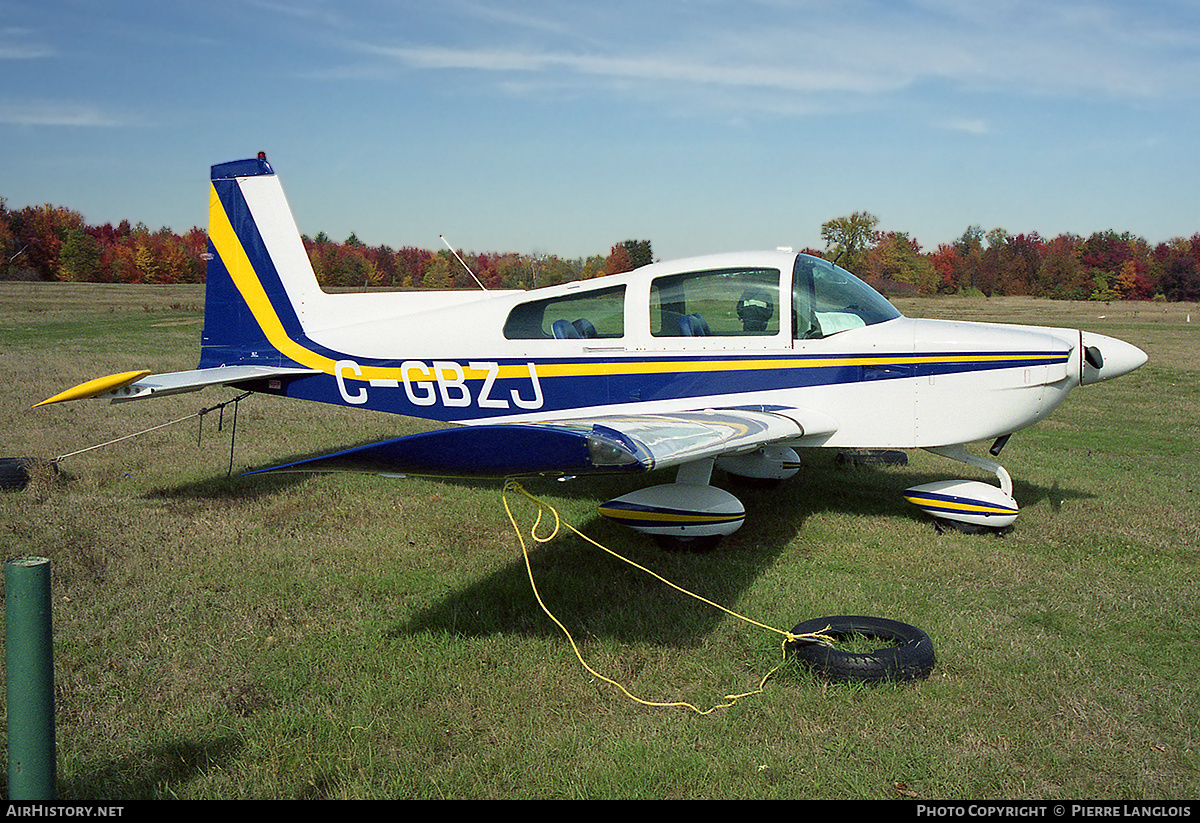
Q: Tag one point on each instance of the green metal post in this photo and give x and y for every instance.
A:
(29, 657)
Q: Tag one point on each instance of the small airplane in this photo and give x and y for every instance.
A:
(731, 361)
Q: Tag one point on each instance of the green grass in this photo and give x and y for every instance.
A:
(354, 637)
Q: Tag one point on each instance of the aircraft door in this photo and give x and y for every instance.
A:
(871, 374)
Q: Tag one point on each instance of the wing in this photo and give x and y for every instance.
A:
(135, 385)
(602, 445)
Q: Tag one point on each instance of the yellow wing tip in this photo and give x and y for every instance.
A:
(92, 388)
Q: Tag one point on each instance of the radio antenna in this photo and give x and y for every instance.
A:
(464, 264)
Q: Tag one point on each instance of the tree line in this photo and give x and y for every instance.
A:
(1107, 265)
(52, 243)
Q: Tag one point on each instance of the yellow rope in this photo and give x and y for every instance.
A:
(542, 507)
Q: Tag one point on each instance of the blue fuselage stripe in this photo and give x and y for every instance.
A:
(627, 381)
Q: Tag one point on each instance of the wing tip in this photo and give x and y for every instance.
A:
(94, 388)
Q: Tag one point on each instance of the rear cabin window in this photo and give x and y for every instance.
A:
(581, 315)
(721, 303)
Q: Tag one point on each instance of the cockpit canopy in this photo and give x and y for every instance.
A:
(827, 299)
(727, 301)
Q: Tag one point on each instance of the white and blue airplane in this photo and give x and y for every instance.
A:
(731, 361)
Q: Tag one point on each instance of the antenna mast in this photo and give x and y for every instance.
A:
(464, 265)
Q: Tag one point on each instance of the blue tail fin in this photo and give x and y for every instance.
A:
(258, 271)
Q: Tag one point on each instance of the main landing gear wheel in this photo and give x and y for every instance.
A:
(911, 658)
(695, 545)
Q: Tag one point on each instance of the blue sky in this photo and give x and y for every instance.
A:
(564, 127)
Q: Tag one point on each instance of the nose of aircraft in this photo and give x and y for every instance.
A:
(1107, 357)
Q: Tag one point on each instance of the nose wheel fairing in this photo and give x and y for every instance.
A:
(970, 503)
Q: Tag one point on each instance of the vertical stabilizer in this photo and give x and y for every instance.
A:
(259, 279)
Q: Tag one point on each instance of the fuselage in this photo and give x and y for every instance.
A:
(760, 330)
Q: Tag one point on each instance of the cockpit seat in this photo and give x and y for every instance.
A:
(585, 327)
(565, 330)
(694, 325)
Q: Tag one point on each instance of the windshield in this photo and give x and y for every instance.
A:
(827, 299)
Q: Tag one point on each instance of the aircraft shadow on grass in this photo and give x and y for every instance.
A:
(146, 773)
(623, 602)
(626, 604)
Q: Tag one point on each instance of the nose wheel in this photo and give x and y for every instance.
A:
(968, 505)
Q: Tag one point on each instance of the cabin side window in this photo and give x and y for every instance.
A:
(721, 303)
(580, 315)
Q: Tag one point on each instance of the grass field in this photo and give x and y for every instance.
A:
(356, 637)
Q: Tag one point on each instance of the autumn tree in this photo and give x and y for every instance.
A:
(356, 269)
(323, 255)
(195, 248)
(1025, 255)
(81, 257)
(553, 270)
(1060, 274)
(514, 271)
(640, 252)
(895, 264)
(847, 238)
(592, 266)
(1119, 265)
(440, 272)
(7, 252)
(945, 262)
(384, 261)
(618, 260)
(1178, 263)
(627, 256)
(968, 249)
(411, 265)
(38, 234)
(54, 243)
(1010, 262)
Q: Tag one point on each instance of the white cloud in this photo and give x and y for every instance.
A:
(60, 114)
(21, 44)
(650, 68)
(861, 47)
(975, 126)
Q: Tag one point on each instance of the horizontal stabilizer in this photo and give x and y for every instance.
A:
(136, 385)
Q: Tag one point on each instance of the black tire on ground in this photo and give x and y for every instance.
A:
(942, 525)
(912, 657)
(14, 473)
